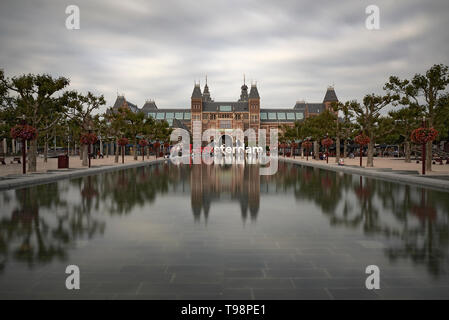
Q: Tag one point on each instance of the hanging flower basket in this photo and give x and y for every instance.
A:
(166, 145)
(156, 145)
(327, 142)
(307, 144)
(123, 142)
(423, 135)
(143, 143)
(88, 138)
(24, 132)
(362, 139)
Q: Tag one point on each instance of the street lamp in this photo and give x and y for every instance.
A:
(24, 169)
(423, 152)
(89, 129)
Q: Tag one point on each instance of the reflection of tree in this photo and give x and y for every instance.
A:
(426, 242)
(41, 227)
(419, 220)
(121, 191)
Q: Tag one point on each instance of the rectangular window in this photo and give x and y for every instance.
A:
(160, 115)
(281, 116)
(290, 116)
(170, 122)
(272, 116)
(169, 115)
(179, 115)
(187, 116)
(263, 116)
(225, 124)
(152, 115)
(299, 116)
(225, 108)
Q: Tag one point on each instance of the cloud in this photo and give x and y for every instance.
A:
(157, 49)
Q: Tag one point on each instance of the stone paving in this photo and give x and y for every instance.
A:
(15, 169)
(394, 164)
(386, 169)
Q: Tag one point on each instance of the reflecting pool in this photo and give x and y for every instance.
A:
(224, 232)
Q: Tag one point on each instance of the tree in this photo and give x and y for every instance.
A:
(318, 126)
(442, 117)
(8, 114)
(135, 127)
(423, 92)
(117, 126)
(368, 117)
(103, 131)
(405, 121)
(79, 108)
(36, 100)
(344, 127)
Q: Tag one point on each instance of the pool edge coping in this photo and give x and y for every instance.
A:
(44, 178)
(435, 184)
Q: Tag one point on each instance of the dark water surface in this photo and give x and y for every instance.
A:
(211, 232)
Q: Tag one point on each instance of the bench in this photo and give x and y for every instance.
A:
(16, 159)
(2, 161)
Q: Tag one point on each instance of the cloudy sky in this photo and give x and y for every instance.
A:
(157, 49)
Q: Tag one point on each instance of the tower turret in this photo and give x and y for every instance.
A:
(206, 93)
(330, 97)
(244, 92)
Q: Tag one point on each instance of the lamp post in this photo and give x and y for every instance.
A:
(24, 150)
(423, 152)
(89, 129)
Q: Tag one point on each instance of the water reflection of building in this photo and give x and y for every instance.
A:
(220, 183)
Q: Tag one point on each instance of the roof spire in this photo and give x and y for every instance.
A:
(206, 93)
(244, 92)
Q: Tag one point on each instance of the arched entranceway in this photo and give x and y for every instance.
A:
(226, 140)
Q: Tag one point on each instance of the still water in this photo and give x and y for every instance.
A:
(224, 232)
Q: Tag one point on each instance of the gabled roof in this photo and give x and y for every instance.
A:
(149, 106)
(254, 93)
(196, 94)
(120, 101)
(330, 95)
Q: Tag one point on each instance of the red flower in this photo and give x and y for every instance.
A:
(24, 132)
(143, 143)
(362, 139)
(423, 135)
(327, 142)
(88, 138)
(123, 142)
(307, 144)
